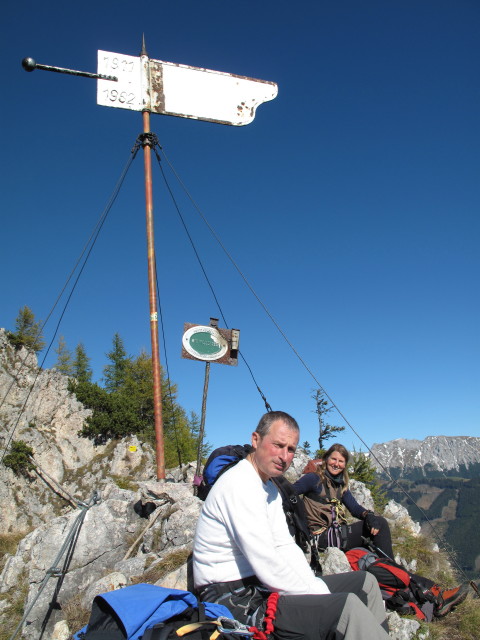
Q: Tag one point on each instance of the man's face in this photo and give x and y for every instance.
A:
(274, 452)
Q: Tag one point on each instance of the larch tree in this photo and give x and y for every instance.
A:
(81, 368)
(114, 374)
(64, 362)
(28, 331)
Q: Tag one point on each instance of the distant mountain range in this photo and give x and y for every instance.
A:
(434, 457)
(441, 476)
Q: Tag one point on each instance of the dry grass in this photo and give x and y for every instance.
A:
(125, 483)
(461, 624)
(8, 545)
(435, 565)
(464, 622)
(172, 562)
(13, 613)
(75, 613)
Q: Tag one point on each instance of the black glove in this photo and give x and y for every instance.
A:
(372, 521)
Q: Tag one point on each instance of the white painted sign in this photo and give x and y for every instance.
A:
(180, 90)
(127, 92)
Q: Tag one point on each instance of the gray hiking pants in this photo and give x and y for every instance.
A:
(353, 611)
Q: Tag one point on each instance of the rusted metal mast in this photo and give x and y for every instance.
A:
(213, 96)
(157, 378)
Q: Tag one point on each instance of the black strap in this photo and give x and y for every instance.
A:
(209, 592)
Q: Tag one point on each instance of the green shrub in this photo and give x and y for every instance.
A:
(361, 468)
(19, 459)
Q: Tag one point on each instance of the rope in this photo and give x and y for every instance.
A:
(269, 619)
(66, 495)
(267, 405)
(302, 361)
(170, 393)
(89, 245)
(66, 548)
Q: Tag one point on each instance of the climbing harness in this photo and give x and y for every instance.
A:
(334, 531)
(234, 627)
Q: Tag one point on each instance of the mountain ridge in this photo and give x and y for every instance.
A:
(435, 456)
(438, 481)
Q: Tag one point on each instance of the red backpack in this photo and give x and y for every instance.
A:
(401, 592)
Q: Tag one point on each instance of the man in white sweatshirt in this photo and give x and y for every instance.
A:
(243, 551)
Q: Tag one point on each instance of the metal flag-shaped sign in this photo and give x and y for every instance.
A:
(180, 90)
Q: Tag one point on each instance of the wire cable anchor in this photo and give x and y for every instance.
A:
(148, 140)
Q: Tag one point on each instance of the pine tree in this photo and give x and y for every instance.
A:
(64, 362)
(362, 469)
(307, 447)
(28, 332)
(325, 430)
(81, 369)
(114, 374)
(129, 410)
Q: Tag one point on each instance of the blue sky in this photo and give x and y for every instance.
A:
(351, 203)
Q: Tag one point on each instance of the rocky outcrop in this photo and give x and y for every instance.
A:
(38, 409)
(112, 547)
(124, 537)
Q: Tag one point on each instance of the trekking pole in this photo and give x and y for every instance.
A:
(371, 544)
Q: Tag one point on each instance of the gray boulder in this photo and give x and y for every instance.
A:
(113, 530)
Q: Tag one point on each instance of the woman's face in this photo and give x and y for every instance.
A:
(335, 463)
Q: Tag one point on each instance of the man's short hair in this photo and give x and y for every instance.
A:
(269, 418)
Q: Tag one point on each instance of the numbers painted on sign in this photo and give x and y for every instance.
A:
(126, 93)
(119, 96)
(118, 64)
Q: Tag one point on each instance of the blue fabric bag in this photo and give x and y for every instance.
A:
(127, 613)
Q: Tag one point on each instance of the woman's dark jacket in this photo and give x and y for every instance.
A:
(310, 486)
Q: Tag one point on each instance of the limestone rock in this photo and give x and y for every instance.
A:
(395, 512)
(333, 561)
(401, 628)
(131, 568)
(60, 631)
(362, 494)
(299, 463)
(39, 410)
(131, 458)
(111, 582)
(184, 473)
(181, 578)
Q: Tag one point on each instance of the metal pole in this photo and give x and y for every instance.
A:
(202, 419)
(201, 433)
(157, 380)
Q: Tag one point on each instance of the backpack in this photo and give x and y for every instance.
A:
(223, 458)
(219, 461)
(401, 592)
(143, 611)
